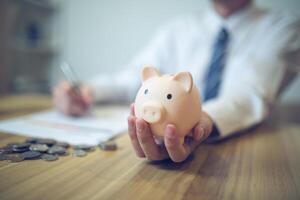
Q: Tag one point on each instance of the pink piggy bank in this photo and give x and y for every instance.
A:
(168, 99)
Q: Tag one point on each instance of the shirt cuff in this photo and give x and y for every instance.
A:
(231, 114)
(218, 116)
(214, 136)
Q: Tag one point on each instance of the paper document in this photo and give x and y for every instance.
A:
(100, 125)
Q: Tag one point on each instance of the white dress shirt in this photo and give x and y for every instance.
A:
(255, 64)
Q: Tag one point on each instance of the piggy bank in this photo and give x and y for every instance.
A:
(168, 99)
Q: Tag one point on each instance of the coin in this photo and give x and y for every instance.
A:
(15, 157)
(49, 157)
(39, 147)
(48, 142)
(20, 150)
(62, 144)
(45, 149)
(108, 146)
(84, 147)
(79, 153)
(6, 149)
(57, 150)
(30, 155)
(20, 145)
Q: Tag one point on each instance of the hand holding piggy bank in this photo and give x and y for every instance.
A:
(168, 99)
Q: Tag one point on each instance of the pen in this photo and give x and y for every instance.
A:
(71, 77)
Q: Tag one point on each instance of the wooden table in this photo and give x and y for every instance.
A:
(264, 164)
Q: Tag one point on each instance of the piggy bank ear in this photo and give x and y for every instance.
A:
(148, 72)
(185, 78)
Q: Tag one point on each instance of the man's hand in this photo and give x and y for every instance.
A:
(144, 144)
(70, 103)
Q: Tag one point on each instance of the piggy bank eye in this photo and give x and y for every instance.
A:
(146, 91)
(169, 96)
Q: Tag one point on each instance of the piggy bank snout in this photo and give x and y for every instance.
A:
(152, 112)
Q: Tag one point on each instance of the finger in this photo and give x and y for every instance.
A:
(206, 123)
(177, 151)
(61, 101)
(198, 133)
(132, 109)
(76, 109)
(133, 137)
(65, 101)
(76, 97)
(146, 140)
(65, 85)
(70, 107)
(78, 101)
(69, 93)
(75, 103)
(87, 94)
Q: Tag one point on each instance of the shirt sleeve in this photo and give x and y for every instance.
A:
(122, 86)
(248, 98)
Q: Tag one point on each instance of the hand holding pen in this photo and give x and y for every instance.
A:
(70, 96)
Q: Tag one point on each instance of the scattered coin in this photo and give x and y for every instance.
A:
(14, 157)
(30, 155)
(84, 147)
(49, 157)
(39, 147)
(108, 146)
(57, 150)
(79, 153)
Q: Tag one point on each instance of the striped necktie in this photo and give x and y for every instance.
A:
(213, 77)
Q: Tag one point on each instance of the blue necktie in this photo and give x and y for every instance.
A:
(213, 77)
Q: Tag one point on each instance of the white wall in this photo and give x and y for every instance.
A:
(101, 36)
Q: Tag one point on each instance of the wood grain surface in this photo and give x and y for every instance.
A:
(262, 164)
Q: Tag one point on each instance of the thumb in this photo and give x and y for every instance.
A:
(204, 126)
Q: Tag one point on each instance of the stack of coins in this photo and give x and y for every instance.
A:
(46, 149)
(32, 149)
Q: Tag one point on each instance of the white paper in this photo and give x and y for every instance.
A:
(98, 126)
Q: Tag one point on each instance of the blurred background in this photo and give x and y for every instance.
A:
(94, 36)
